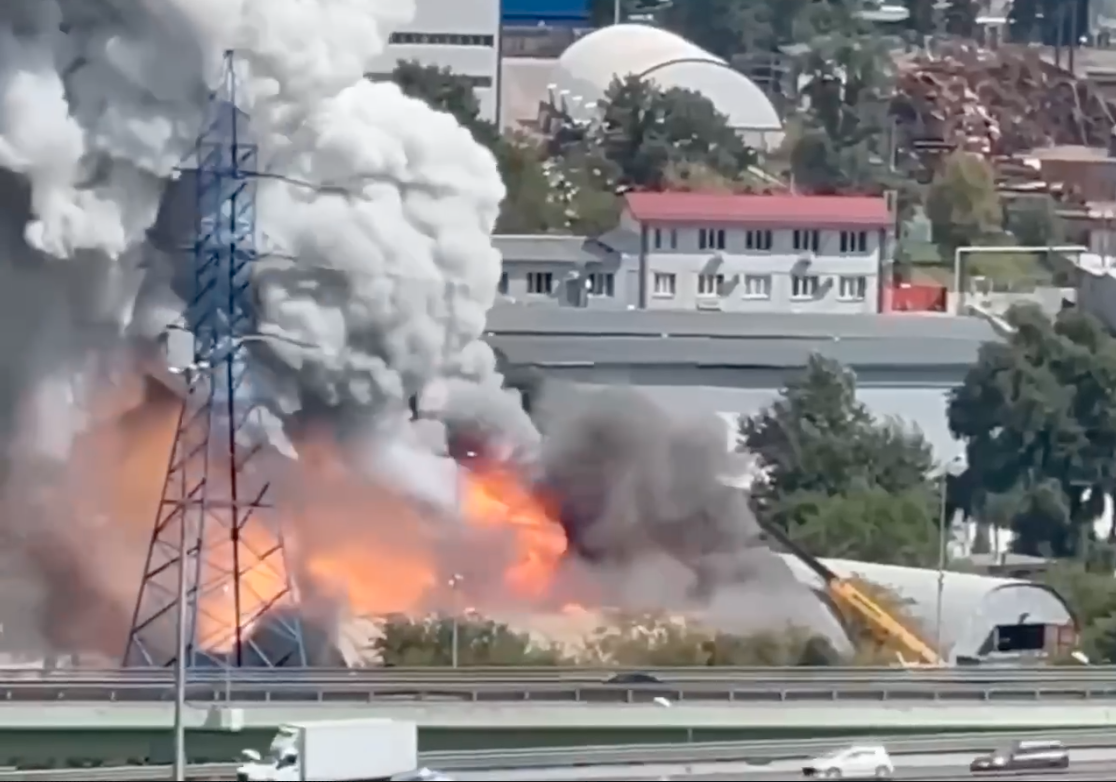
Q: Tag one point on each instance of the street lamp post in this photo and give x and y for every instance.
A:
(190, 374)
(180, 653)
(954, 467)
(454, 582)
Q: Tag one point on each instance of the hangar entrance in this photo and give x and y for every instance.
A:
(1031, 638)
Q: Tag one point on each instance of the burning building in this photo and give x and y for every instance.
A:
(376, 214)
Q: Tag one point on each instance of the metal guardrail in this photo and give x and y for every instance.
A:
(565, 684)
(282, 690)
(633, 754)
(518, 674)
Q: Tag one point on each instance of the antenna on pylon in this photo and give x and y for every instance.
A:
(212, 528)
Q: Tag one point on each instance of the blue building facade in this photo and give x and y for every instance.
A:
(536, 12)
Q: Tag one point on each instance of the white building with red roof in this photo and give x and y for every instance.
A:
(759, 253)
(714, 252)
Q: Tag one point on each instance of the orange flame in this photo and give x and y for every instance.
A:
(353, 538)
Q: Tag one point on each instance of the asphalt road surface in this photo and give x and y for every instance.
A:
(1098, 764)
(1080, 773)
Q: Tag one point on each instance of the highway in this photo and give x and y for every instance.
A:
(919, 758)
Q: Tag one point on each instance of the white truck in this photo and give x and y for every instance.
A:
(357, 750)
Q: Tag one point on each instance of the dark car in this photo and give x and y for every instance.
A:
(1024, 756)
(633, 677)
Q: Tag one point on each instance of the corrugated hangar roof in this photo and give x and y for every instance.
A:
(972, 605)
(555, 336)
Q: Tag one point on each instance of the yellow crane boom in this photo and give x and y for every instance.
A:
(886, 628)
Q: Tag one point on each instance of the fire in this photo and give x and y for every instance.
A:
(495, 497)
(349, 537)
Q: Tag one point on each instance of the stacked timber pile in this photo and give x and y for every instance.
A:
(996, 103)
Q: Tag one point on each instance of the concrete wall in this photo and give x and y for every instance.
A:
(1096, 289)
(747, 273)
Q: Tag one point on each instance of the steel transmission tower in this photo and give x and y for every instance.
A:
(237, 597)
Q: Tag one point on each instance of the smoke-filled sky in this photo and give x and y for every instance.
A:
(375, 219)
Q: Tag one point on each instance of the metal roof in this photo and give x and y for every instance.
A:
(769, 211)
(543, 248)
(732, 352)
(972, 605)
(572, 321)
(557, 336)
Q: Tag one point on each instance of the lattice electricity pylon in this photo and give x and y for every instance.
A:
(240, 603)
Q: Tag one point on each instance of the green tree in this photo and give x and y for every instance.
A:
(871, 524)
(656, 640)
(1091, 597)
(1038, 416)
(407, 641)
(847, 82)
(532, 204)
(644, 130)
(828, 462)
(963, 205)
(446, 91)
(1034, 221)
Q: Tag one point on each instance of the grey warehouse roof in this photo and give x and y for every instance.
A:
(564, 336)
(541, 248)
(972, 605)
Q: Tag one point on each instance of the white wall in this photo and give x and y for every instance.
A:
(763, 280)
(1096, 288)
(462, 35)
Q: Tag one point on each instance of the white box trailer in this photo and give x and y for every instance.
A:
(356, 750)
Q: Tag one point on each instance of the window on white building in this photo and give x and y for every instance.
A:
(711, 239)
(854, 242)
(852, 288)
(503, 286)
(807, 241)
(602, 284)
(804, 286)
(711, 285)
(441, 39)
(757, 286)
(540, 283)
(665, 285)
(758, 240)
(666, 238)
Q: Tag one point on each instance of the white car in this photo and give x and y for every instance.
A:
(866, 761)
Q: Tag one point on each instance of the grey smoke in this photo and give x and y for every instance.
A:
(54, 317)
(640, 491)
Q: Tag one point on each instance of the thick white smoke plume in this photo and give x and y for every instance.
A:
(374, 217)
(375, 214)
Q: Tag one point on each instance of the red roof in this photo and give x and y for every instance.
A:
(769, 211)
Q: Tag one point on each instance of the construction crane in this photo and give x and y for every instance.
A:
(888, 630)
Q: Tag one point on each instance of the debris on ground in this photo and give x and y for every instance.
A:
(996, 103)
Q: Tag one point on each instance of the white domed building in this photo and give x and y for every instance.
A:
(588, 67)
